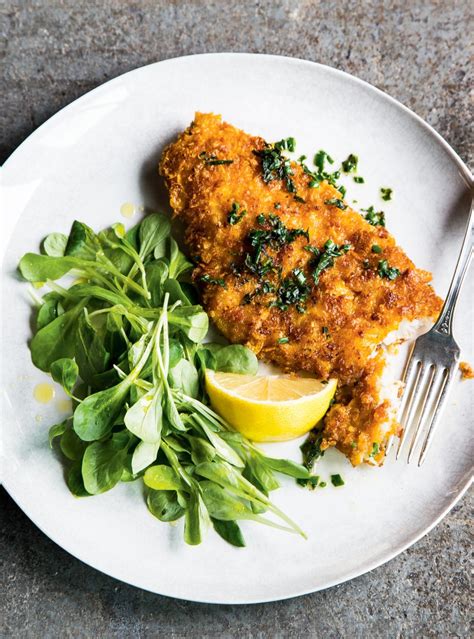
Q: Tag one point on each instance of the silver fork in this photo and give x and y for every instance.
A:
(432, 365)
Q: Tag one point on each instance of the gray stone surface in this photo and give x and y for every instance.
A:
(53, 52)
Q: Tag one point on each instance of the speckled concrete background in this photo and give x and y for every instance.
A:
(52, 52)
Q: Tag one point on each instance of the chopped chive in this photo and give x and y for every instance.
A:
(375, 449)
(299, 199)
(389, 272)
(337, 480)
(322, 484)
(207, 279)
(376, 248)
(334, 201)
(358, 179)
(283, 340)
(350, 165)
(290, 144)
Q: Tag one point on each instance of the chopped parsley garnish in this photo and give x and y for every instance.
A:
(384, 270)
(386, 194)
(311, 449)
(375, 449)
(334, 201)
(263, 289)
(320, 158)
(273, 234)
(299, 199)
(293, 291)
(287, 143)
(326, 258)
(350, 165)
(207, 279)
(358, 179)
(376, 248)
(276, 166)
(336, 480)
(376, 218)
(320, 174)
(234, 216)
(322, 484)
(283, 340)
(211, 159)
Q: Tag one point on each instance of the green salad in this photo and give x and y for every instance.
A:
(126, 342)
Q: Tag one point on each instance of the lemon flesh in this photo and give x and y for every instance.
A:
(269, 408)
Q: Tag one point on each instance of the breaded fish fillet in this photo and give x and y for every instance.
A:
(288, 269)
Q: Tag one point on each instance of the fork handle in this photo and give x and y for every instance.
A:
(445, 319)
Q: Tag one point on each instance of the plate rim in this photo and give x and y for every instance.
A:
(347, 77)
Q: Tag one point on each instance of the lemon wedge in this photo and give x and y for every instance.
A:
(269, 408)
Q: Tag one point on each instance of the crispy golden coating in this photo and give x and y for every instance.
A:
(335, 327)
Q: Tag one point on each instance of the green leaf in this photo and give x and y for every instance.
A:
(260, 475)
(95, 416)
(162, 477)
(49, 309)
(287, 467)
(39, 268)
(222, 447)
(191, 320)
(64, 371)
(184, 377)
(178, 262)
(229, 531)
(74, 480)
(145, 418)
(91, 356)
(236, 359)
(56, 339)
(156, 276)
(195, 519)
(144, 455)
(221, 504)
(176, 352)
(201, 450)
(164, 505)
(83, 242)
(56, 431)
(54, 244)
(103, 463)
(176, 293)
(153, 230)
(71, 446)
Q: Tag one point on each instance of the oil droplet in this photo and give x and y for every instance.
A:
(64, 405)
(127, 209)
(44, 392)
(39, 418)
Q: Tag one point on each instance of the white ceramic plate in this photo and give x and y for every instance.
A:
(102, 151)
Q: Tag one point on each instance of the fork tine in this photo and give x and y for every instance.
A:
(411, 391)
(437, 410)
(408, 362)
(407, 379)
(431, 373)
